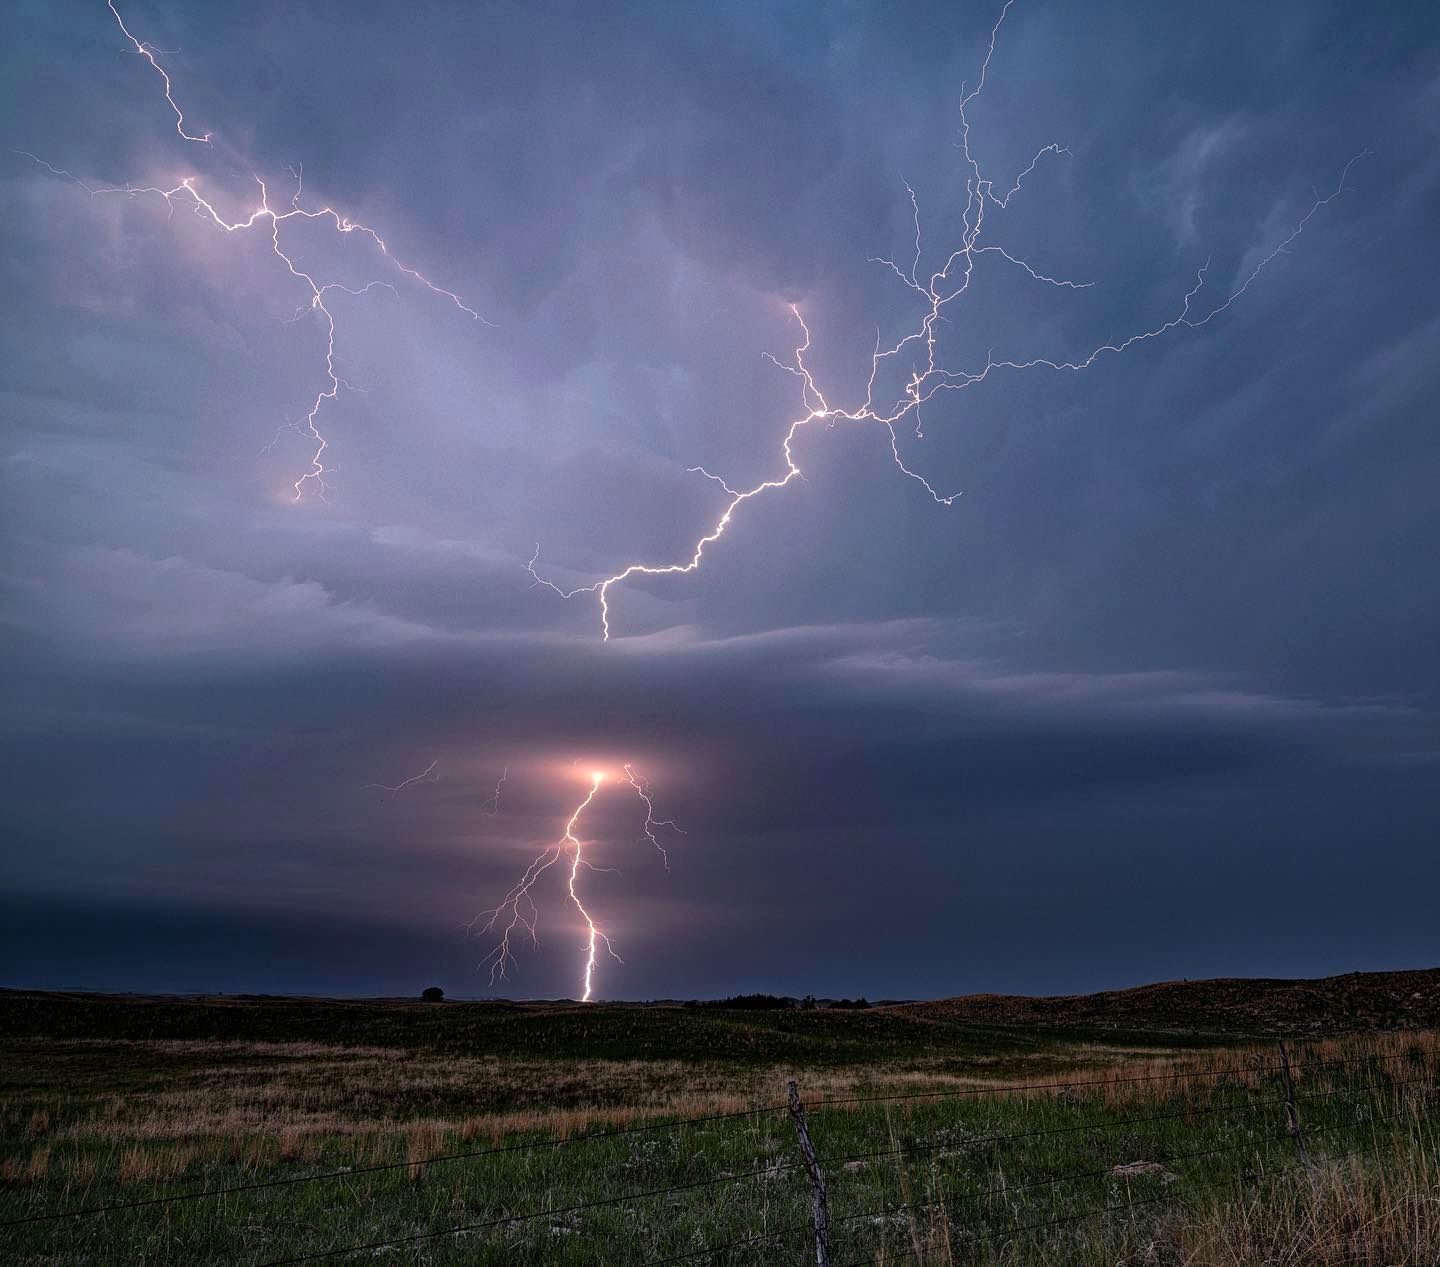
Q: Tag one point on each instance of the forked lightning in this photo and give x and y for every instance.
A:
(918, 351)
(517, 914)
(186, 192)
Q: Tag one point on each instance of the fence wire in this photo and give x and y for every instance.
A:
(1116, 1208)
(1255, 1106)
(1009, 1189)
(351, 1172)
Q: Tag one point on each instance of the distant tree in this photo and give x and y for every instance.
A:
(432, 994)
(852, 1005)
(808, 1004)
(746, 1003)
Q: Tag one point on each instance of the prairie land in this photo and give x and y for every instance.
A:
(1142, 1128)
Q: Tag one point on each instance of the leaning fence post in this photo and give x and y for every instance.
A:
(819, 1210)
(1292, 1113)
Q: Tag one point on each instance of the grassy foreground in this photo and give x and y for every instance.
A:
(1174, 1150)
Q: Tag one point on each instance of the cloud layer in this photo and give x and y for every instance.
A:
(1171, 652)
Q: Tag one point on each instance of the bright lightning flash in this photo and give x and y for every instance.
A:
(918, 355)
(186, 193)
(518, 914)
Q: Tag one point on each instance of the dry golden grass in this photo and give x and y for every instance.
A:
(256, 1103)
(347, 1099)
(423, 1140)
(208, 1113)
(1375, 1209)
(1353, 1216)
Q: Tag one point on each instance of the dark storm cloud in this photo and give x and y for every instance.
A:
(795, 753)
(1178, 631)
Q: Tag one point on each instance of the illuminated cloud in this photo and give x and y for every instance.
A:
(1178, 630)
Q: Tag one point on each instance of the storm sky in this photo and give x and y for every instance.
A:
(1155, 697)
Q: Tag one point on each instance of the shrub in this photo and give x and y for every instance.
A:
(746, 1002)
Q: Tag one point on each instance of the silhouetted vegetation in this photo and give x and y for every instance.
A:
(777, 1003)
(746, 1003)
(432, 994)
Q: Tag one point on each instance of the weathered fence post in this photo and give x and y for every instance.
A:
(1292, 1113)
(819, 1210)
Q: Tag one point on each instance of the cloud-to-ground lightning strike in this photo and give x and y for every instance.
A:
(186, 191)
(518, 914)
(427, 775)
(917, 350)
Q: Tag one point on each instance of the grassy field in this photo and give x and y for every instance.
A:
(1143, 1133)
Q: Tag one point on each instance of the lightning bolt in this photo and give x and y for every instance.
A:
(518, 915)
(652, 824)
(918, 350)
(187, 193)
(577, 860)
(148, 53)
(427, 775)
(492, 802)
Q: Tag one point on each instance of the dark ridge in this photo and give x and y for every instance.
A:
(1354, 1001)
(747, 1028)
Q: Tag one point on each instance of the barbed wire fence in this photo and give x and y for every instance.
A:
(1266, 1120)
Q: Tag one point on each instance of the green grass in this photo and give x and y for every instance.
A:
(559, 1030)
(112, 1101)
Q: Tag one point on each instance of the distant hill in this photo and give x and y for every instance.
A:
(1260, 1005)
(980, 1025)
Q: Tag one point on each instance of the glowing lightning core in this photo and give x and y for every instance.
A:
(917, 351)
(187, 192)
(576, 861)
(517, 912)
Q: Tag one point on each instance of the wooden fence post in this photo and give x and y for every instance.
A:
(819, 1210)
(1292, 1113)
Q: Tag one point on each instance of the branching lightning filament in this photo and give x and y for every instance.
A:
(652, 824)
(427, 775)
(492, 802)
(186, 192)
(917, 354)
(518, 915)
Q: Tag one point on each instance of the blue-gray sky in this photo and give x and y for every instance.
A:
(1155, 697)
